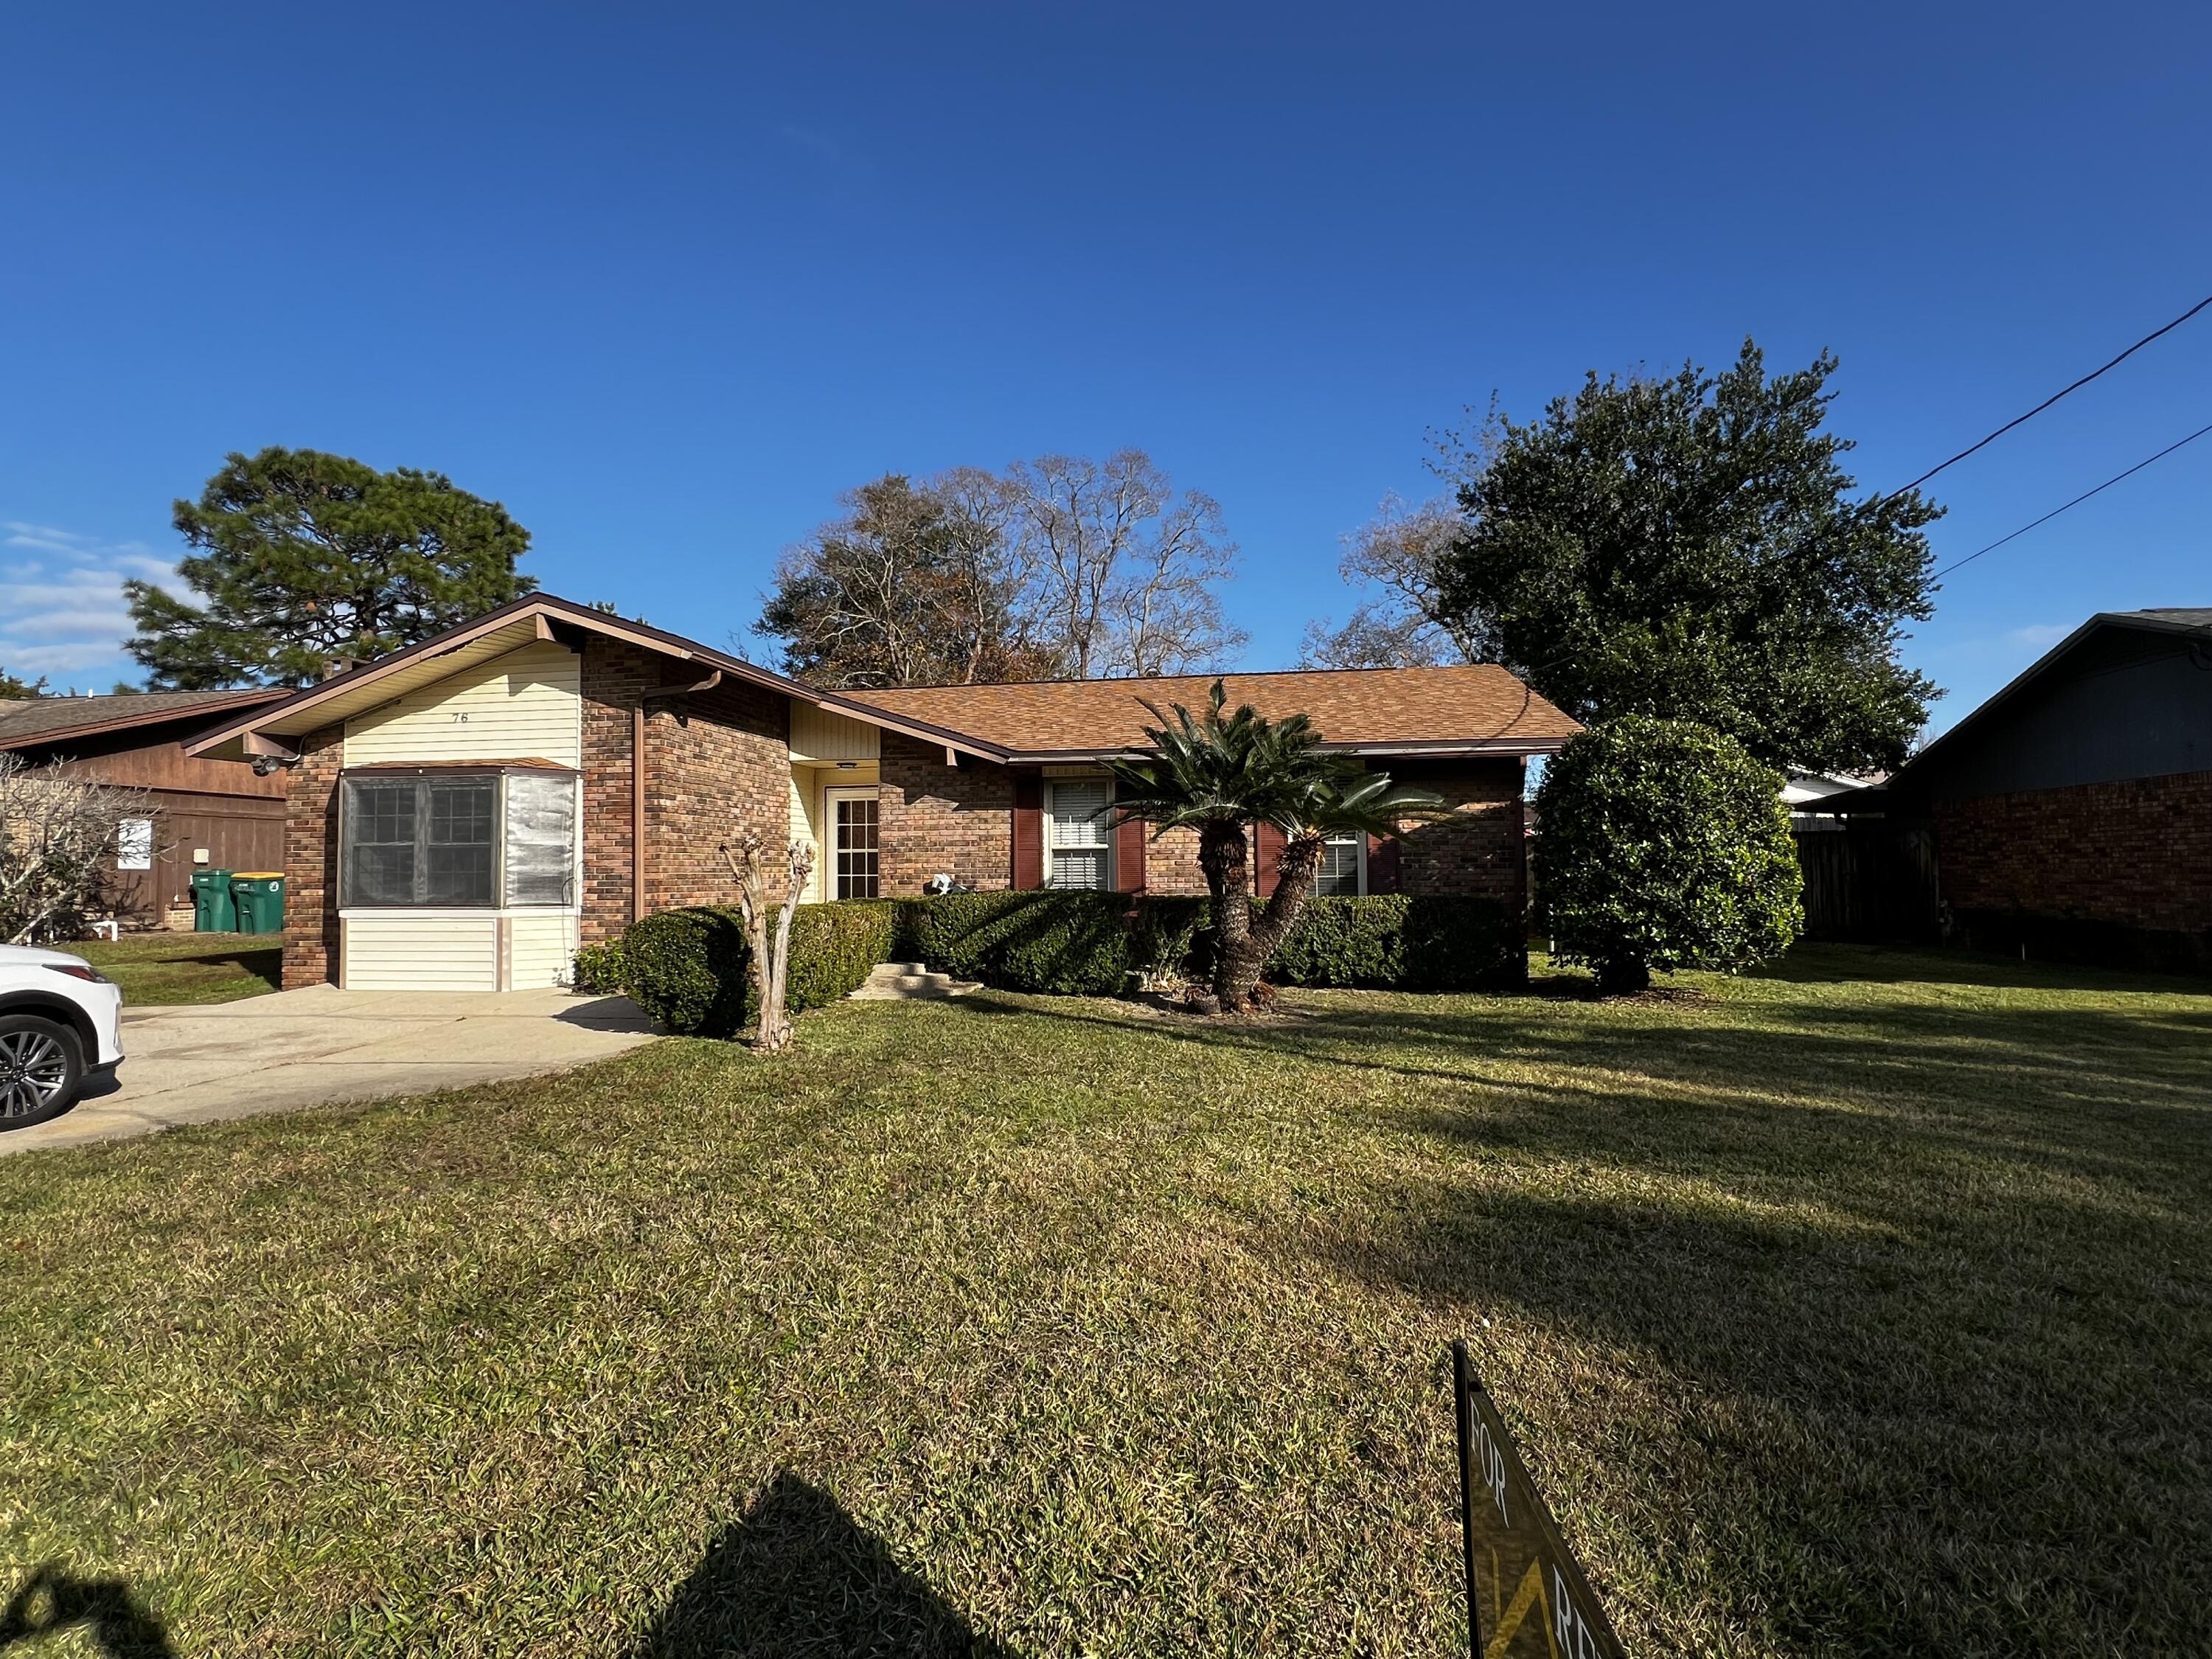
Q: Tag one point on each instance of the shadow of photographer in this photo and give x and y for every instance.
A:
(797, 1576)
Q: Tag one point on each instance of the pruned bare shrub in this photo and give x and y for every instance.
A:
(57, 849)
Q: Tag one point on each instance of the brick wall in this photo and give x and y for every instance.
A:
(615, 679)
(1478, 850)
(938, 817)
(716, 762)
(311, 860)
(2137, 855)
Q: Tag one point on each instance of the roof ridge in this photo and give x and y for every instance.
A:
(1206, 674)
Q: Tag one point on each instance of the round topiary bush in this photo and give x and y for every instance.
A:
(1664, 844)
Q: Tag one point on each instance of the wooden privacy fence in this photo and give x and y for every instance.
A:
(1869, 879)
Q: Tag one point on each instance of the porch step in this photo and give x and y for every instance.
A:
(910, 982)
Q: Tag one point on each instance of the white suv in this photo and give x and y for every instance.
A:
(61, 1020)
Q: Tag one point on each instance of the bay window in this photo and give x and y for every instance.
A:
(457, 839)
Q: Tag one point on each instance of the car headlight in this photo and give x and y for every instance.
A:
(76, 971)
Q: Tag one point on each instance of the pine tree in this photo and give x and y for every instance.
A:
(302, 556)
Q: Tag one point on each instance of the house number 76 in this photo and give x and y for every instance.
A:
(460, 719)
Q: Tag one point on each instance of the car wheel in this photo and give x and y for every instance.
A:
(41, 1069)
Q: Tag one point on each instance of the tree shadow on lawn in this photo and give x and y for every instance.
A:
(52, 1600)
(2076, 1090)
(1891, 1315)
(799, 1577)
(1987, 1447)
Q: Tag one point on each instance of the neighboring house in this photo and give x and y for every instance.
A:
(1804, 792)
(206, 813)
(2073, 810)
(462, 814)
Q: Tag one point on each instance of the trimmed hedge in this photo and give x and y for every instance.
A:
(688, 968)
(1389, 941)
(1060, 943)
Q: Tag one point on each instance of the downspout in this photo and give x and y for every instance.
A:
(637, 812)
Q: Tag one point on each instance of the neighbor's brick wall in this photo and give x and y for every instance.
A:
(1479, 850)
(934, 817)
(311, 860)
(2138, 853)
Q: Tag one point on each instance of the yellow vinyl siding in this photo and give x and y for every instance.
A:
(805, 800)
(541, 945)
(526, 705)
(819, 735)
(406, 951)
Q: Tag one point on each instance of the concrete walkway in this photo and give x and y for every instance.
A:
(312, 1046)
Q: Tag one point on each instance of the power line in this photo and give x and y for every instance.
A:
(2076, 502)
(2056, 396)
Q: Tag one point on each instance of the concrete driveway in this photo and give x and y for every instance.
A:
(312, 1046)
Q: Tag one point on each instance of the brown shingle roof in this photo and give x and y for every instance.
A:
(1480, 704)
(45, 720)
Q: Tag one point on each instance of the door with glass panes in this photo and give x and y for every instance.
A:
(853, 872)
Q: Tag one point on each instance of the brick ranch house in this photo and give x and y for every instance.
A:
(460, 815)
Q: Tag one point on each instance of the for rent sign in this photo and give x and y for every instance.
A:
(1526, 1595)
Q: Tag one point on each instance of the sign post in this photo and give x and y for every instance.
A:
(1525, 1591)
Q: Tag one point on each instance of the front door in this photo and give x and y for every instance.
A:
(853, 872)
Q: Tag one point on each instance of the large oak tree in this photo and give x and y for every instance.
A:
(300, 557)
(1691, 548)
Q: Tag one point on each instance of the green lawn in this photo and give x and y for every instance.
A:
(179, 968)
(1864, 1308)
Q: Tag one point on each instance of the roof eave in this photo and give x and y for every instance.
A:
(549, 608)
(158, 717)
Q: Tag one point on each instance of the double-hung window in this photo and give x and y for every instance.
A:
(1078, 840)
(1342, 867)
(437, 841)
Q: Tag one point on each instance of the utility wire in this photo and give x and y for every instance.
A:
(2054, 397)
(2076, 502)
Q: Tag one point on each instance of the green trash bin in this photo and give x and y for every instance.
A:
(213, 911)
(260, 895)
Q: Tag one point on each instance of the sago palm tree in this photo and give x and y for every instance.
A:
(1218, 773)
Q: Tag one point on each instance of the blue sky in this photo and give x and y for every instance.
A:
(664, 279)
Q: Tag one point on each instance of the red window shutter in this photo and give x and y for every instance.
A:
(1381, 864)
(1129, 857)
(1269, 842)
(1029, 832)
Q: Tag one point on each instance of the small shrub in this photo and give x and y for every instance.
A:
(690, 970)
(599, 969)
(1664, 845)
(687, 969)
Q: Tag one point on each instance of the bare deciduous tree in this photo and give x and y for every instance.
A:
(1124, 567)
(771, 950)
(1394, 557)
(57, 849)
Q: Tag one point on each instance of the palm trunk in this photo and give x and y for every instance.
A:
(1294, 875)
(1229, 879)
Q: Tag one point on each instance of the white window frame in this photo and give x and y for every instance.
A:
(1103, 822)
(831, 794)
(1359, 888)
